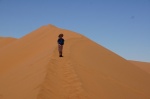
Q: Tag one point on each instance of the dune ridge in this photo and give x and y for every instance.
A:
(65, 82)
(6, 41)
(87, 70)
(143, 65)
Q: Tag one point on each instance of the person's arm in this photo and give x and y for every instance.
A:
(63, 41)
(59, 42)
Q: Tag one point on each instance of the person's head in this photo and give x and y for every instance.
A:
(60, 35)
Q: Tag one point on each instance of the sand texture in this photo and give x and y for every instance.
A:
(31, 69)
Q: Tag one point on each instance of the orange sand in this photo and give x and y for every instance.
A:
(31, 69)
(6, 41)
(143, 65)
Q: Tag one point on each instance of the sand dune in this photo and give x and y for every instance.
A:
(6, 41)
(31, 69)
(143, 65)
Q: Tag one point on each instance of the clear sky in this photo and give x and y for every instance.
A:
(122, 26)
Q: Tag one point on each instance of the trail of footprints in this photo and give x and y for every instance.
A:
(61, 81)
(70, 80)
(72, 83)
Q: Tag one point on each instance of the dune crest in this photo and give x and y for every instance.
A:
(6, 41)
(143, 65)
(31, 69)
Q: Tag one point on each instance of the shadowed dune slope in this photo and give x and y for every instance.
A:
(31, 69)
(143, 65)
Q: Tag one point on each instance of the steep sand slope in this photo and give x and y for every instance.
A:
(143, 65)
(23, 63)
(31, 69)
(97, 75)
(39, 42)
(6, 41)
(108, 76)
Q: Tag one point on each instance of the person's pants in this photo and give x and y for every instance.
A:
(60, 48)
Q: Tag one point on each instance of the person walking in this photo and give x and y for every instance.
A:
(60, 42)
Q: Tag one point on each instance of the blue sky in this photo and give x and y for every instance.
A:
(122, 26)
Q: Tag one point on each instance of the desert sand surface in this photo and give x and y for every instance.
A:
(143, 65)
(31, 69)
(6, 41)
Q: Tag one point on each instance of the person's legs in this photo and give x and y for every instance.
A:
(60, 53)
(60, 48)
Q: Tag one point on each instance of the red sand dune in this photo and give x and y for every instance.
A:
(6, 41)
(143, 65)
(31, 69)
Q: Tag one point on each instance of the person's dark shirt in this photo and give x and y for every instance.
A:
(60, 41)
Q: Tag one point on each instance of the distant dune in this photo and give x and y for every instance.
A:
(31, 69)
